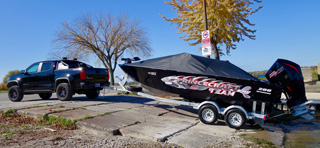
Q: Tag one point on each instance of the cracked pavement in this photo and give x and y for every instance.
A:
(131, 116)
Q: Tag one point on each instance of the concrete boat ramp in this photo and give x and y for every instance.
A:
(129, 116)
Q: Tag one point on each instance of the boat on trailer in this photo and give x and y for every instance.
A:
(220, 88)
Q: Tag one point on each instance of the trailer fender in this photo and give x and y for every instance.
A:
(211, 103)
(236, 107)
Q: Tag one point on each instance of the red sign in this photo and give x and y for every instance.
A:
(206, 37)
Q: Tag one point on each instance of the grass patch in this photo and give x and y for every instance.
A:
(83, 108)
(9, 112)
(315, 76)
(257, 142)
(3, 91)
(262, 78)
(61, 106)
(12, 123)
(60, 123)
(127, 93)
(87, 117)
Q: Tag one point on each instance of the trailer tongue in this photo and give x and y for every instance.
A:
(220, 89)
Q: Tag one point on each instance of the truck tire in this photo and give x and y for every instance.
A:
(45, 96)
(208, 114)
(135, 88)
(64, 92)
(15, 94)
(235, 118)
(93, 94)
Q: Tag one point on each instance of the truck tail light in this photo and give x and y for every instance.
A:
(83, 75)
(108, 74)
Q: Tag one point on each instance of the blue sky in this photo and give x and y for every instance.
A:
(285, 29)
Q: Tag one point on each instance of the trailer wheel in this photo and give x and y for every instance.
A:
(235, 118)
(208, 114)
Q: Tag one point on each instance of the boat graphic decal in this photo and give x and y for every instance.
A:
(204, 83)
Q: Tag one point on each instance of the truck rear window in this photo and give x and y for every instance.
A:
(71, 64)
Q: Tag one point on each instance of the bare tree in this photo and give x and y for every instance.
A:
(105, 36)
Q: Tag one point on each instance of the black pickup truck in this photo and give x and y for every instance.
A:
(65, 77)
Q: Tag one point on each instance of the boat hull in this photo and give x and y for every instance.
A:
(198, 87)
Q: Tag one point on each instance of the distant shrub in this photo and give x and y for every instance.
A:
(10, 73)
(315, 76)
(3, 87)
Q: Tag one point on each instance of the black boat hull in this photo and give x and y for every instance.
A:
(200, 87)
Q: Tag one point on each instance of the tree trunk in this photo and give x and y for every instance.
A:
(111, 72)
(216, 52)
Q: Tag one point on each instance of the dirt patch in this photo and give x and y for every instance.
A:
(74, 138)
(27, 132)
(21, 131)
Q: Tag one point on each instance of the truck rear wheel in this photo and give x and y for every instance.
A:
(45, 96)
(93, 94)
(64, 92)
(235, 118)
(208, 114)
(15, 94)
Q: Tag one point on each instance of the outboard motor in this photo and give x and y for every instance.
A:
(288, 75)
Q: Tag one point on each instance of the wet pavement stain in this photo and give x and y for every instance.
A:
(302, 133)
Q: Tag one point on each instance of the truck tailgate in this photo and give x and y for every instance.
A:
(97, 75)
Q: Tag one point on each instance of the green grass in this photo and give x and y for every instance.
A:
(83, 108)
(61, 122)
(86, 117)
(262, 78)
(9, 135)
(3, 91)
(257, 142)
(315, 75)
(127, 93)
(9, 112)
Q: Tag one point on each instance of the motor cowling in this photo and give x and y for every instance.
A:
(288, 75)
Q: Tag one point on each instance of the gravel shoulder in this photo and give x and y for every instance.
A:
(78, 138)
(41, 137)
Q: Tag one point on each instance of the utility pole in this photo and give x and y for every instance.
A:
(205, 18)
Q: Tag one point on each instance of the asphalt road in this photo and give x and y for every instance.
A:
(35, 100)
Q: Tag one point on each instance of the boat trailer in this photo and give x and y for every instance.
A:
(235, 116)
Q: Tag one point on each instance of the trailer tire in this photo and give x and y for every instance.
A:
(235, 118)
(208, 114)
(135, 88)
